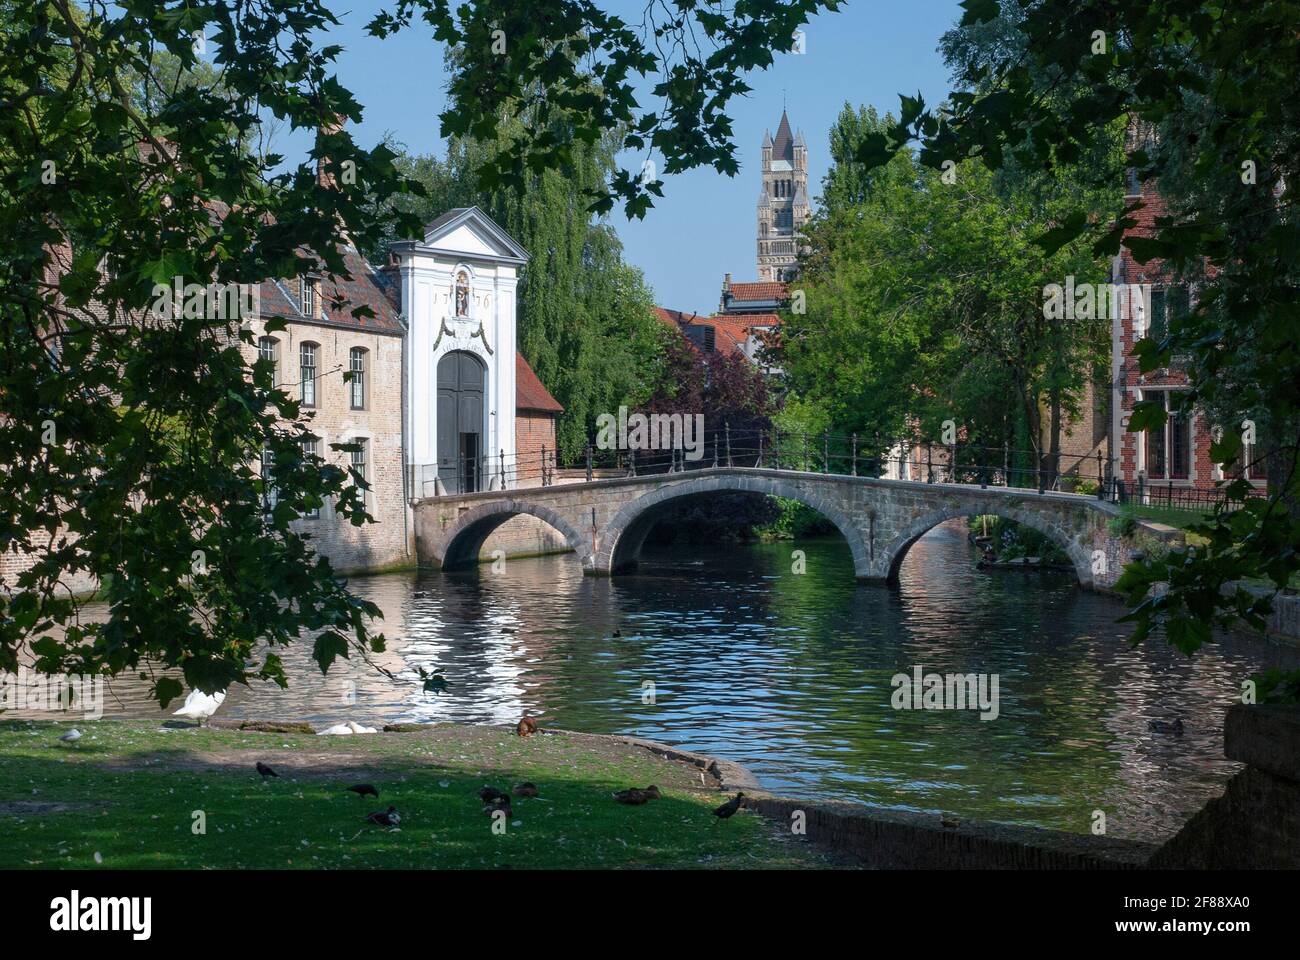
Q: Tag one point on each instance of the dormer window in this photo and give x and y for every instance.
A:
(307, 294)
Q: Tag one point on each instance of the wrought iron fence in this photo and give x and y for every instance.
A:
(1086, 472)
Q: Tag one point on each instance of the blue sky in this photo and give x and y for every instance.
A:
(704, 227)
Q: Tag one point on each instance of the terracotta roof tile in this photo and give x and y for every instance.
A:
(338, 297)
(529, 392)
(762, 290)
(674, 318)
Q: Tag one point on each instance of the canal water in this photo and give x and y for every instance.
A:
(729, 651)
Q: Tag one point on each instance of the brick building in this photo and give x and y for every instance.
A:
(1175, 457)
(535, 414)
(436, 396)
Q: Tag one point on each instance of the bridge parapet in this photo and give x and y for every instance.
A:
(605, 522)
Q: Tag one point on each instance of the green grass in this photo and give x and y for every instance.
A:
(1181, 519)
(128, 791)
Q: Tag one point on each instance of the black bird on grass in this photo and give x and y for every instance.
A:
(500, 803)
(265, 771)
(492, 795)
(729, 808)
(364, 790)
(386, 818)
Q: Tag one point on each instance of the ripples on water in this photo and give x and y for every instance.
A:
(790, 675)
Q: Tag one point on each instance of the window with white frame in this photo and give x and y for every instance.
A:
(310, 451)
(307, 292)
(268, 349)
(359, 465)
(357, 382)
(307, 366)
(270, 496)
(1168, 447)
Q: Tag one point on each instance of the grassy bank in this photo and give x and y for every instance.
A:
(126, 796)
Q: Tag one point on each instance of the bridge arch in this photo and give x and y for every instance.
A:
(624, 535)
(896, 551)
(462, 540)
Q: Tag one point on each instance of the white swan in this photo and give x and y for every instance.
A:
(199, 705)
(346, 729)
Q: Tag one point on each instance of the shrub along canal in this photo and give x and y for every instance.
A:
(728, 651)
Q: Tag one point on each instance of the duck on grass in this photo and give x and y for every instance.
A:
(285, 801)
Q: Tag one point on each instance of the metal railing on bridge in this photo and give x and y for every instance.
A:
(1087, 472)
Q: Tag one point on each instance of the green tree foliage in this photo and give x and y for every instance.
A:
(128, 443)
(924, 302)
(1218, 82)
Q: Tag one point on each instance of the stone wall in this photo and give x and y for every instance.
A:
(13, 562)
(896, 840)
(524, 536)
(1256, 823)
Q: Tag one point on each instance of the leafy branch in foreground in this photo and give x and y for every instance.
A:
(128, 441)
(1212, 91)
(543, 60)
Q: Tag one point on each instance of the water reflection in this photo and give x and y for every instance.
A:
(790, 675)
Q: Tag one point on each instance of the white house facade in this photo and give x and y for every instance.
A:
(458, 294)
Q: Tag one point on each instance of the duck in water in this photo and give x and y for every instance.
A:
(1164, 726)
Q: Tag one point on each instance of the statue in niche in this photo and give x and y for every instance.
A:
(462, 294)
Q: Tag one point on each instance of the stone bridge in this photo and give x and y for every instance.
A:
(605, 522)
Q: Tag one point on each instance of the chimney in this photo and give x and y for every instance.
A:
(325, 168)
(324, 173)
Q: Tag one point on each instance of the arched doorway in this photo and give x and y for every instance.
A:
(461, 382)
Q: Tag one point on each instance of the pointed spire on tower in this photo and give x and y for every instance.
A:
(783, 146)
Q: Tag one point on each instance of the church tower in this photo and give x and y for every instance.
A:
(783, 203)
